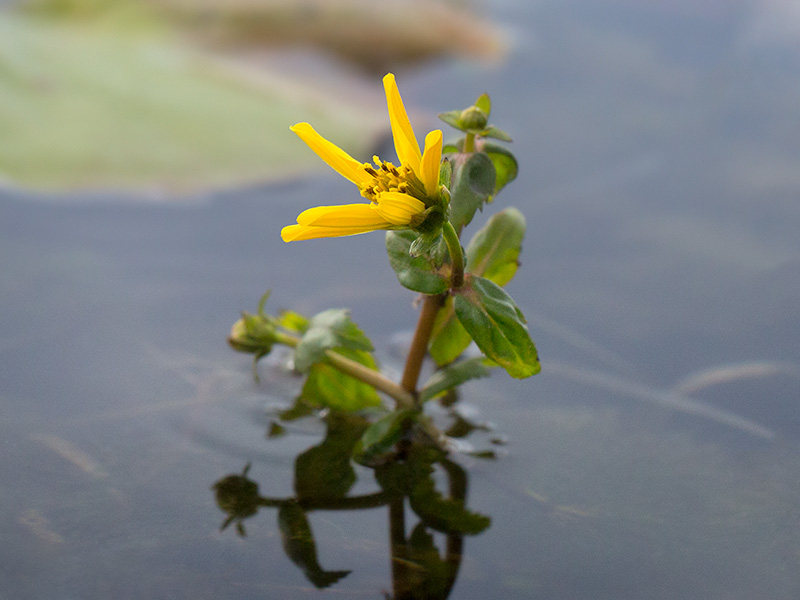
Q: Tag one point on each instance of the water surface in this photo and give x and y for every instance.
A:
(655, 456)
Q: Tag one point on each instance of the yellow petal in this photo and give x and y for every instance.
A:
(339, 160)
(293, 233)
(346, 215)
(431, 161)
(398, 208)
(405, 143)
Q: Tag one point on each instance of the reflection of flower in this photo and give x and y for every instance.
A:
(398, 196)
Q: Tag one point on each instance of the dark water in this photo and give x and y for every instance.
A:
(657, 454)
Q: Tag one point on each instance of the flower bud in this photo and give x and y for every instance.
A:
(473, 118)
(254, 334)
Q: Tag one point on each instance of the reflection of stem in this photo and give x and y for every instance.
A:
(405, 398)
(455, 542)
(375, 500)
(397, 547)
(419, 345)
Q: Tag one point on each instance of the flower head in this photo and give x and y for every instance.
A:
(400, 197)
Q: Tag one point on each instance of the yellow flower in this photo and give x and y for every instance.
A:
(398, 196)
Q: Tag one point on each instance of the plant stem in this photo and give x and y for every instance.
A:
(430, 308)
(404, 398)
(469, 143)
(419, 345)
(456, 255)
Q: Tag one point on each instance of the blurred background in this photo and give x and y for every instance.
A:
(147, 169)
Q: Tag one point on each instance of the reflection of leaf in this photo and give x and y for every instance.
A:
(325, 471)
(237, 496)
(448, 515)
(299, 545)
(414, 478)
(88, 106)
(432, 576)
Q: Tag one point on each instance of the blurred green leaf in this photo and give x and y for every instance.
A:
(494, 251)
(484, 103)
(328, 330)
(328, 387)
(380, 437)
(453, 375)
(505, 163)
(473, 183)
(96, 105)
(420, 273)
(498, 327)
(449, 338)
(498, 134)
(292, 321)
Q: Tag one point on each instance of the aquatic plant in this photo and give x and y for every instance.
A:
(425, 201)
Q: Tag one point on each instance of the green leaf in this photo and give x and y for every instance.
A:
(381, 436)
(498, 327)
(452, 118)
(449, 338)
(484, 103)
(420, 274)
(452, 376)
(328, 387)
(494, 251)
(498, 134)
(505, 164)
(449, 149)
(473, 183)
(292, 321)
(431, 245)
(327, 330)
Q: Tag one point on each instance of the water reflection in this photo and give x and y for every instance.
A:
(323, 477)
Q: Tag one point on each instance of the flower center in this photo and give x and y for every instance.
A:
(388, 178)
